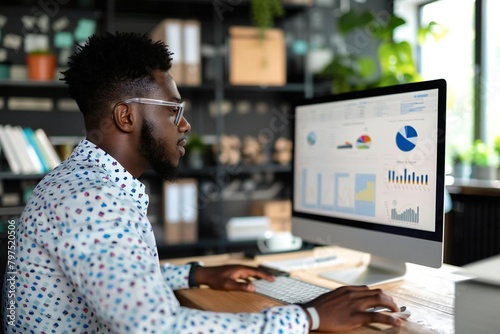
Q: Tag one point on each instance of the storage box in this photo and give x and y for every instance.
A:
(257, 60)
(279, 212)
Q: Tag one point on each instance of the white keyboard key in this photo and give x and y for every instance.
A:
(289, 290)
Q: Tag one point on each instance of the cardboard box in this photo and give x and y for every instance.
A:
(279, 211)
(254, 60)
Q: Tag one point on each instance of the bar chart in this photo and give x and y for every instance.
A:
(407, 177)
(409, 215)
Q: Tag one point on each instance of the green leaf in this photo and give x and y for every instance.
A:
(353, 19)
(367, 67)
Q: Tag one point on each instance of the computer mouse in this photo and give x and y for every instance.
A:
(404, 313)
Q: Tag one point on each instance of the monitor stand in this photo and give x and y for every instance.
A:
(379, 270)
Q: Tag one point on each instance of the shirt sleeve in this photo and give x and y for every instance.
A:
(177, 277)
(101, 248)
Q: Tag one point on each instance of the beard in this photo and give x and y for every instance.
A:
(156, 154)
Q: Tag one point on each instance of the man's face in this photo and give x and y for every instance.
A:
(162, 142)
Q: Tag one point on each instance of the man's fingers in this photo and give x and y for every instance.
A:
(379, 317)
(239, 286)
(257, 273)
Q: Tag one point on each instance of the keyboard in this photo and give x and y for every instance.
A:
(301, 263)
(289, 290)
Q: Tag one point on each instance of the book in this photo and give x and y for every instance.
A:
(180, 205)
(171, 213)
(189, 209)
(30, 136)
(9, 151)
(169, 31)
(47, 149)
(191, 52)
(19, 144)
(36, 164)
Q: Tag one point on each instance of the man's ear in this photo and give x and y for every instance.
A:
(124, 117)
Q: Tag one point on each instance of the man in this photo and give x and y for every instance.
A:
(86, 256)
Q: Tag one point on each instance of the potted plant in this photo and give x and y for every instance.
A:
(263, 13)
(393, 64)
(484, 161)
(41, 65)
(195, 150)
(462, 162)
(497, 151)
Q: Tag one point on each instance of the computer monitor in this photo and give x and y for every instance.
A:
(368, 174)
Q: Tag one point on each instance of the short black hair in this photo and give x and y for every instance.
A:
(110, 66)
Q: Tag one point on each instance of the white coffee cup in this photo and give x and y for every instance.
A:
(278, 242)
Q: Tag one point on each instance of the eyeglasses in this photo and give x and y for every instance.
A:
(179, 106)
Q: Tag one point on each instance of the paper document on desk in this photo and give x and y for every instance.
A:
(487, 270)
(303, 263)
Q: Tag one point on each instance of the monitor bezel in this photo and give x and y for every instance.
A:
(437, 234)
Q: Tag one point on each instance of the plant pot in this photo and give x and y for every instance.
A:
(41, 66)
(484, 173)
(462, 171)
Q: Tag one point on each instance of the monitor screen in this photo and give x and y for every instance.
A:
(368, 171)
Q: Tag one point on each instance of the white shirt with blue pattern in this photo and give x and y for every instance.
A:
(87, 262)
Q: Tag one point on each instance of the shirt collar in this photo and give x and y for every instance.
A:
(93, 154)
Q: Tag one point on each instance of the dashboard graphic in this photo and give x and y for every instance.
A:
(353, 162)
(406, 138)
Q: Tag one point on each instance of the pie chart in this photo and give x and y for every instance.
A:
(311, 138)
(406, 139)
(363, 142)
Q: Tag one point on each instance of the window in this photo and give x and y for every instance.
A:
(468, 57)
(491, 77)
(452, 58)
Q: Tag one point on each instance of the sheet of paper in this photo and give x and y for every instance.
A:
(487, 270)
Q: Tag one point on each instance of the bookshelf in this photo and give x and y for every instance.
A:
(215, 91)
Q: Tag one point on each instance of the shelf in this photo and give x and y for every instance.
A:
(474, 187)
(11, 210)
(13, 176)
(166, 251)
(221, 9)
(215, 17)
(233, 170)
(206, 87)
(32, 83)
(183, 171)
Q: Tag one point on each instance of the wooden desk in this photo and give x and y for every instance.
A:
(428, 293)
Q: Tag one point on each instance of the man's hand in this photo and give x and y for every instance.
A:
(345, 308)
(230, 277)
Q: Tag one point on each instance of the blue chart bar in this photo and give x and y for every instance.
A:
(407, 178)
(409, 215)
(308, 191)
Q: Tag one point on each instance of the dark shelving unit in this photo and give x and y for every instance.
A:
(142, 16)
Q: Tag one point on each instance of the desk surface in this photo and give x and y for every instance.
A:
(428, 293)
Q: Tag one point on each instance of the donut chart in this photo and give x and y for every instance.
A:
(406, 138)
